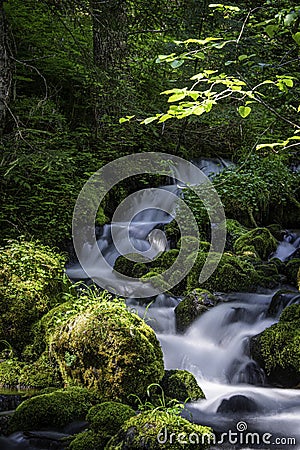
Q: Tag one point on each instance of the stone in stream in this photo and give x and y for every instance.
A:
(281, 300)
(277, 350)
(237, 404)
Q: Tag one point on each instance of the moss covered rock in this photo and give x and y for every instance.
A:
(10, 372)
(88, 440)
(234, 231)
(40, 374)
(109, 416)
(108, 348)
(277, 349)
(193, 306)
(181, 385)
(31, 283)
(259, 240)
(156, 430)
(291, 270)
(233, 273)
(55, 409)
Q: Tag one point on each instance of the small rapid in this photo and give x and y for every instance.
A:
(216, 349)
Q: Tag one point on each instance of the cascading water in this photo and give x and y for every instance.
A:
(216, 347)
(289, 246)
(216, 350)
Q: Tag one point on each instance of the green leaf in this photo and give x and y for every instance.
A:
(271, 30)
(164, 118)
(176, 63)
(125, 119)
(298, 110)
(289, 19)
(244, 111)
(243, 57)
(177, 97)
(296, 37)
(199, 110)
(149, 120)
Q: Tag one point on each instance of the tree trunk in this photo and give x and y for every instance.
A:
(6, 67)
(109, 32)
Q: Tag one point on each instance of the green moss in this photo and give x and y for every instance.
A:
(277, 349)
(88, 440)
(291, 270)
(108, 348)
(291, 314)
(55, 409)
(108, 417)
(10, 371)
(259, 239)
(147, 431)
(191, 307)
(233, 273)
(181, 385)
(40, 374)
(31, 283)
(234, 231)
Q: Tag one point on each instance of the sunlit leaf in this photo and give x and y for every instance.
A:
(244, 111)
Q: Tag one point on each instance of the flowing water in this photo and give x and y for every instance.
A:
(215, 349)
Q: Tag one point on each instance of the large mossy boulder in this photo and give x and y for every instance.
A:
(195, 303)
(31, 283)
(157, 430)
(233, 273)
(108, 348)
(277, 349)
(260, 241)
(53, 410)
(181, 385)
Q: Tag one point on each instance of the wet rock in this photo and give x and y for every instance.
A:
(281, 300)
(237, 404)
(193, 306)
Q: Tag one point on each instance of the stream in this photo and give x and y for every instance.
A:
(215, 348)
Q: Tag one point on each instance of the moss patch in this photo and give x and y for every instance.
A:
(153, 431)
(108, 348)
(31, 283)
(277, 349)
(181, 385)
(88, 440)
(259, 240)
(55, 409)
(193, 306)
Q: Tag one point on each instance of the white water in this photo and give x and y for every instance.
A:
(216, 350)
(289, 245)
(216, 347)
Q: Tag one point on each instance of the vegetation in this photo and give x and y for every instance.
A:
(109, 349)
(80, 86)
(181, 385)
(277, 349)
(55, 409)
(140, 432)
